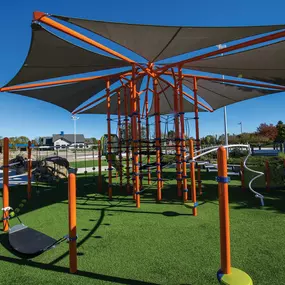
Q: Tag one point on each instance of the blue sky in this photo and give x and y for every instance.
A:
(25, 116)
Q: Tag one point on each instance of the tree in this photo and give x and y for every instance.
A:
(280, 132)
(268, 131)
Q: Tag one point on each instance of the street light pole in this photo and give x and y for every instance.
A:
(74, 118)
(240, 123)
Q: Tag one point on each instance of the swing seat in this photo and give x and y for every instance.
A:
(29, 241)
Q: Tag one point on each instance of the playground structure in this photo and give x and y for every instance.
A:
(129, 93)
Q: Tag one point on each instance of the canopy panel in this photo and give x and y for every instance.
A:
(218, 94)
(68, 96)
(101, 108)
(265, 63)
(50, 56)
(167, 101)
(166, 41)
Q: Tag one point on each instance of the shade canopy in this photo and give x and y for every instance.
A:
(101, 108)
(159, 42)
(265, 63)
(68, 96)
(218, 94)
(167, 101)
(50, 56)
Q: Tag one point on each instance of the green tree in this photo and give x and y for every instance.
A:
(280, 132)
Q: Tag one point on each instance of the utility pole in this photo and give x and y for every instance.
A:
(240, 123)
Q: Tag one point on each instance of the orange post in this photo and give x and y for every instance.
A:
(120, 140)
(242, 176)
(157, 139)
(147, 132)
(5, 183)
(192, 175)
(29, 187)
(99, 166)
(109, 140)
(127, 139)
(177, 139)
(267, 175)
(183, 144)
(197, 132)
(139, 139)
(136, 173)
(224, 211)
(72, 222)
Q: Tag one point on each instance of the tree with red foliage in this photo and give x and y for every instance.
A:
(268, 131)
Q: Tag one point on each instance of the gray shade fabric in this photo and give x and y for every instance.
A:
(68, 96)
(159, 42)
(101, 108)
(167, 101)
(50, 56)
(263, 64)
(218, 94)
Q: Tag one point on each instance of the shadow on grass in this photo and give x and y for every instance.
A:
(81, 273)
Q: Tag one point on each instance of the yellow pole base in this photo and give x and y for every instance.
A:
(237, 277)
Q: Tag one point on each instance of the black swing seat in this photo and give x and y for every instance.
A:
(29, 241)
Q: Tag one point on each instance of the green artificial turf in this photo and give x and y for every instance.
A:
(156, 244)
(87, 163)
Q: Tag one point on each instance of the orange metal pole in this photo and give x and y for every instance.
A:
(263, 39)
(5, 183)
(127, 139)
(136, 173)
(192, 175)
(184, 93)
(29, 188)
(157, 139)
(59, 82)
(197, 132)
(72, 223)
(120, 140)
(224, 211)
(232, 81)
(109, 139)
(183, 145)
(147, 132)
(267, 169)
(139, 140)
(99, 166)
(42, 17)
(177, 139)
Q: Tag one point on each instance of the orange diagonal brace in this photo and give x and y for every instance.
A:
(245, 44)
(58, 82)
(187, 95)
(263, 85)
(41, 17)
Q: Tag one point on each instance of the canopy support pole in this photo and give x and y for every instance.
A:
(120, 140)
(147, 132)
(197, 133)
(109, 139)
(193, 179)
(139, 139)
(157, 139)
(127, 139)
(136, 178)
(183, 144)
(177, 135)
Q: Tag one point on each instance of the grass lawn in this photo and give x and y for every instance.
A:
(87, 163)
(156, 244)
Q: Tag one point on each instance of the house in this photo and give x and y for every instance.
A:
(62, 141)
